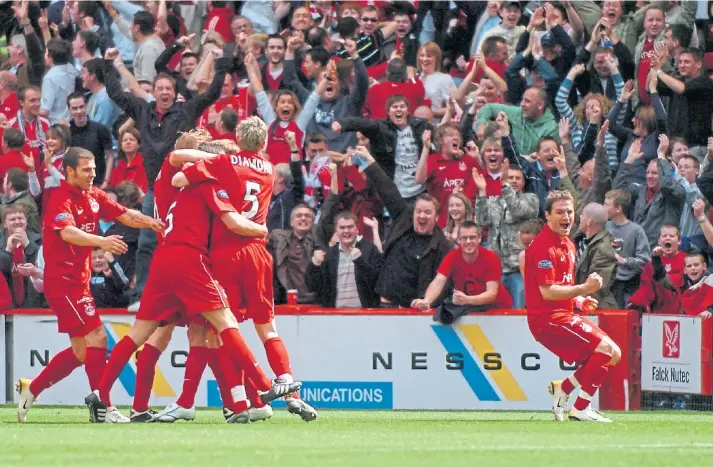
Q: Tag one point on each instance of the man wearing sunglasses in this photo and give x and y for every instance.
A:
(370, 38)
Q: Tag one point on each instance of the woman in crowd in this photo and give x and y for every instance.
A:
(283, 114)
(460, 209)
(588, 115)
(131, 162)
(438, 85)
(648, 122)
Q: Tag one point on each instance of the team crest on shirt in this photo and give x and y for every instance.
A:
(89, 310)
(462, 166)
(94, 205)
(667, 267)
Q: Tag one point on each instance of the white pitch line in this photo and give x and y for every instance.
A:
(613, 447)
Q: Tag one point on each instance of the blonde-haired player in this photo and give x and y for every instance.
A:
(243, 266)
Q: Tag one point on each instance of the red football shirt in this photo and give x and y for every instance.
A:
(67, 267)
(164, 193)
(549, 260)
(33, 142)
(444, 176)
(379, 94)
(243, 103)
(248, 179)
(642, 72)
(190, 215)
(133, 171)
(13, 159)
(10, 106)
(471, 278)
(218, 19)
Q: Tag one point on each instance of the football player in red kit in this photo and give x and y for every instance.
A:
(200, 355)
(551, 295)
(187, 287)
(249, 178)
(70, 234)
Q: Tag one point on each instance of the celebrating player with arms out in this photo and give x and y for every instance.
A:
(70, 234)
(551, 296)
(243, 266)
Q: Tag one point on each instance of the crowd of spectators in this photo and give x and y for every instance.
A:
(414, 143)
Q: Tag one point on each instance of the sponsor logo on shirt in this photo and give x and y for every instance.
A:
(222, 194)
(62, 216)
(545, 264)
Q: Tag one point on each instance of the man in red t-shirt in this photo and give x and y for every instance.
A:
(397, 82)
(475, 273)
(69, 235)
(218, 19)
(551, 295)
(449, 171)
(249, 179)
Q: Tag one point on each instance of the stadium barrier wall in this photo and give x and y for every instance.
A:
(677, 354)
(355, 359)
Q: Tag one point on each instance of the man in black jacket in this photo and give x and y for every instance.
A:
(397, 142)
(160, 122)
(345, 275)
(414, 247)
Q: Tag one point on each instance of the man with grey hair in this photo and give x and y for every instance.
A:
(595, 253)
(25, 54)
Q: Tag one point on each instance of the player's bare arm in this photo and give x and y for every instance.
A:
(78, 237)
(567, 292)
(179, 180)
(239, 225)
(135, 219)
(183, 156)
(485, 298)
(432, 293)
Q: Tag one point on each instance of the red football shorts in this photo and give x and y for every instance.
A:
(246, 276)
(571, 337)
(180, 284)
(76, 313)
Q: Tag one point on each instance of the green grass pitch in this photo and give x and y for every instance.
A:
(62, 436)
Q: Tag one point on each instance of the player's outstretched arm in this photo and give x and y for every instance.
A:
(78, 237)
(134, 218)
(239, 225)
(183, 156)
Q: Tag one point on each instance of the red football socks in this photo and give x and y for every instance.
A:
(94, 364)
(217, 369)
(120, 356)
(252, 394)
(233, 394)
(145, 372)
(61, 366)
(570, 383)
(593, 374)
(195, 365)
(244, 358)
(277, 356)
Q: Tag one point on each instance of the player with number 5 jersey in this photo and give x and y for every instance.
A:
(243, 266)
